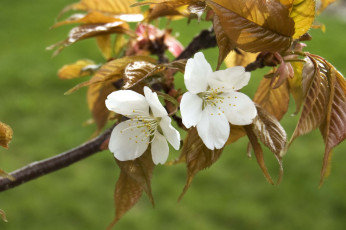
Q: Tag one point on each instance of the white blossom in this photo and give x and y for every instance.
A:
(148, 123)
(212, 100)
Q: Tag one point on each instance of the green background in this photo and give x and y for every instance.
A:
(232, 194)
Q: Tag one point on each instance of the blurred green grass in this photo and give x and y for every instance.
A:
(232, 194)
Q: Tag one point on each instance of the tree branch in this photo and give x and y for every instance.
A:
(40, 168)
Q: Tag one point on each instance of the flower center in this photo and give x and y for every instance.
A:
(140, 128)
(211, 97)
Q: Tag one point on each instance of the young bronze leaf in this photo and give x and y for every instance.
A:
(80, 68)
(135, 176)
(254, 25)
(111, 71)
(197, 155)
(324, 4)
(3, 215)
(175, 65)
(258, 152)
(240, 59)
(236, 132)
(89, 18)
(104, 43)
(315, 102)
(333, 128)
(89, 30)
(5, 135)
(223, 42)
(269, 131)
(136, 72)
(303, 14)
(104, 6)
(274, 101)
(197, 8)
(96, 97)
(295, 85)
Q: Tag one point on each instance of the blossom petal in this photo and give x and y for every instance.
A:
(197, 70)
(191, 109)
(127, 102)
(239, 108)
(213, 128)
(127, 142)
(154, 102)
(233, 78)
(159, 149)
(172, 135)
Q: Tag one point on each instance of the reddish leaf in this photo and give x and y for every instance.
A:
(112, 71)
(90, 30)
(135, 176)
(315, 102)
(254, 25)
(274, 101)
(223, 42)
(258, 152)
(197, 155)
(333, 128)
(270, 132)
(136, 72)
(96, 97)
